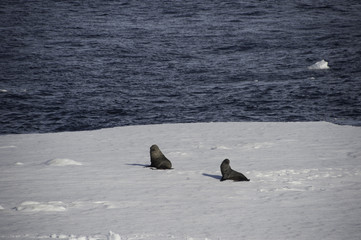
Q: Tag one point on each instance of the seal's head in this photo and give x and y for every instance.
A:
(225, 168)
(154, 147)
(225, 161)
(155, 151)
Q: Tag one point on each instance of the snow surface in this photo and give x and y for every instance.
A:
(305, 183)
(62, 162)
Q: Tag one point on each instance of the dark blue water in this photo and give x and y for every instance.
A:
(80, 65)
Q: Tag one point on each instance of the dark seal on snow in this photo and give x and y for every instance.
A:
(157, 159)
(229, 174)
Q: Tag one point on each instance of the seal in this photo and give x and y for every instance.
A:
(229, 174)
(157, 159)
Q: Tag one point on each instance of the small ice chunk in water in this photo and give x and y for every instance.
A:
(320, 65)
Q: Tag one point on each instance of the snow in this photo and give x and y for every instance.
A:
(62, 162)
(305, 183)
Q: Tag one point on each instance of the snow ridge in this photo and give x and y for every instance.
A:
(61, 162)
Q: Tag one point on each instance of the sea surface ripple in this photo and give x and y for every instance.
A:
(81, 65)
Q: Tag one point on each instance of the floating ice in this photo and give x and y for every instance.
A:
(320, 65)
(62, 162)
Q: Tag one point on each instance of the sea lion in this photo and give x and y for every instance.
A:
(157, 159)
(229, 174)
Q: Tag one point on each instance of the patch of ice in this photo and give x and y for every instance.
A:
(61, 236)
(62, 162)
(113, 236)
(52, 206)
(1, 208)
(296, 182)
(4, 147)
(78, 238)
(319, 65)
(100, 204)
(177, 154)
(303, 174)
(220, 147)
(251, 146)
(106, 205)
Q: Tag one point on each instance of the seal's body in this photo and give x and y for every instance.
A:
(157, 159)
(229, 174)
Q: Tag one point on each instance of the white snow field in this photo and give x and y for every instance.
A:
(305, 183)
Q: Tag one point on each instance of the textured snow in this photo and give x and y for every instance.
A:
(305, 183)
(62, 162)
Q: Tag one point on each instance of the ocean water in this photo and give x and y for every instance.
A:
(81, 65)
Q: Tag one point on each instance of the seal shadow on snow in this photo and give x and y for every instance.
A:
(145, 166)
(212, 176)
(138, 164)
